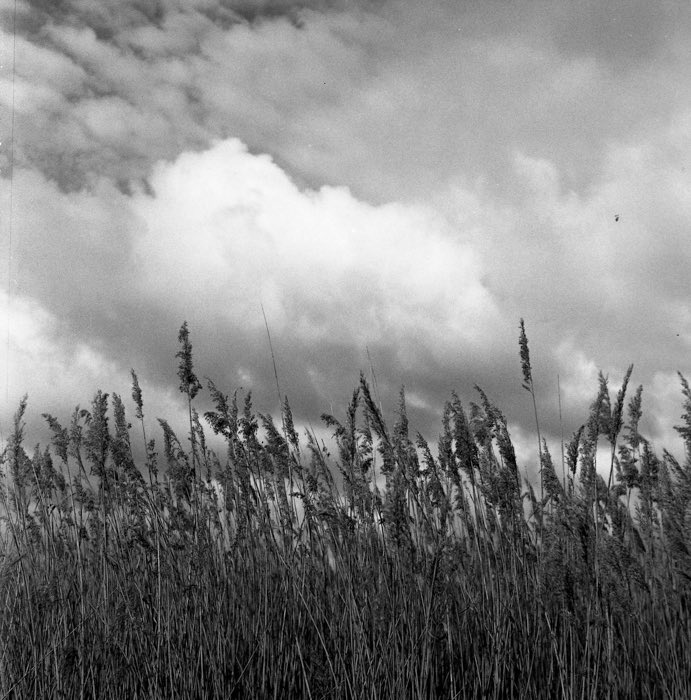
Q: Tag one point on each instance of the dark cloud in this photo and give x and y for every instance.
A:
(396, 99)
(624, 34)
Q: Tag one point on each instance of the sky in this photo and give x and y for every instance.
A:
(392, 185)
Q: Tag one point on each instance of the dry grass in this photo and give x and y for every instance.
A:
(270, 582)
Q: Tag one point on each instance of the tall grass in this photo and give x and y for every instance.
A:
(430, 571)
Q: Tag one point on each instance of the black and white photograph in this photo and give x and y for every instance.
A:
(345, 349)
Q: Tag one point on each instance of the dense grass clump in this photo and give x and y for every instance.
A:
(426, 572)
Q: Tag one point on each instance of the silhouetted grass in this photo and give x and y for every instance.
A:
(432, 572)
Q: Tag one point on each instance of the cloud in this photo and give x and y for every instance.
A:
(622, 33)
(219, 234)
(411, 178)
(396, 99)
(229, 230)
(70, 250)
(59, 372)
(433, 292)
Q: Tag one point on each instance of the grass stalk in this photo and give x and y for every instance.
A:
(423, 580)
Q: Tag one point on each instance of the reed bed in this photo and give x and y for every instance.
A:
(393, 569)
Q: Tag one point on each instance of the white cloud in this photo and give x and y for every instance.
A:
(578, 374)
(228, 230)
(662, 410)
(58, 372)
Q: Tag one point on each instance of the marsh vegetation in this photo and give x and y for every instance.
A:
(392, 568)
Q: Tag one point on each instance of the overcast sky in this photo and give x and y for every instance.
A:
(408, 178)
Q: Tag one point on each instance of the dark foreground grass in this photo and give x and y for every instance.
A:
(428, 573)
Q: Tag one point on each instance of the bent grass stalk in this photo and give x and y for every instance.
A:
(530, 388)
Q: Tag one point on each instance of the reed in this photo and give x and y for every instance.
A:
(252, 574)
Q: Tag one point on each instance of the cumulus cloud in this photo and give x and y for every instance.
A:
(218, 235)
(228, 230)
(408, 178)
